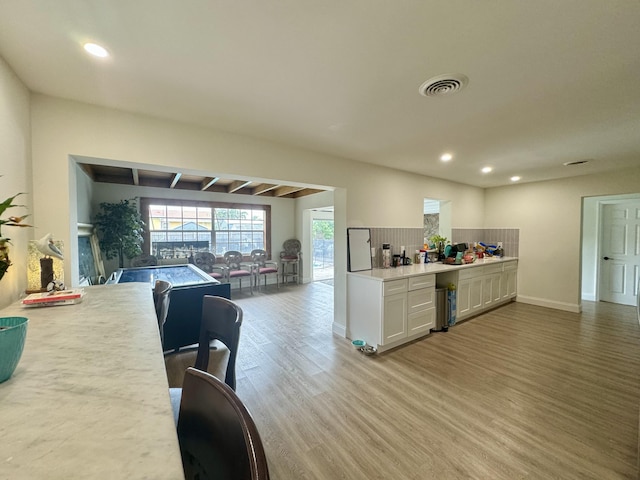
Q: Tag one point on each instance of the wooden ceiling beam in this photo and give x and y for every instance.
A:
(282, 191)
(175, 180)
(88, 169)
(207, 182)
(237, 185)
(136, 177)
(262, 188)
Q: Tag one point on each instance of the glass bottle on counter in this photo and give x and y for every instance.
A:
(386, 255)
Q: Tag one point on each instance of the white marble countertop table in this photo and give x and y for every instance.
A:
(89, 398)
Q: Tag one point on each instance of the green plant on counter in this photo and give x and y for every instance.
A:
(436, 239)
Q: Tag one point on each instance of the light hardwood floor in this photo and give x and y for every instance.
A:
(522, 392)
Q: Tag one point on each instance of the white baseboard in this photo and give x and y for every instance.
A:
(339, 330)
(542, 302)
(589, 296)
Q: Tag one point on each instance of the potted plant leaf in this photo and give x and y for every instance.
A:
(12, 221)
(120, 229)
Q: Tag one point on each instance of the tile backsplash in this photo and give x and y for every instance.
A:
(510, 238)
(413, 238)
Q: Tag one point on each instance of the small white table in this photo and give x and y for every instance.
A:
(89, 398)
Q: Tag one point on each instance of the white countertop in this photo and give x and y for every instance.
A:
(89, 398)
(396, 273)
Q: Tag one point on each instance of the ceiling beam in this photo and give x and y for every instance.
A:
(136, 178)
(88, 169)
(262, 188)
(207, 182)
(175, 180)
(282, 191)
(237, 185)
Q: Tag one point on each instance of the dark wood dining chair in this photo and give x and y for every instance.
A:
(221, 321)
(161, 297)
(217, 434)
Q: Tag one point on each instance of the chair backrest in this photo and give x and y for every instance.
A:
(217, 434)
(259, 257)
(233, 259)
(292, 248)
(161, 298)
(144, 261)
(205, 261)
(221, 320)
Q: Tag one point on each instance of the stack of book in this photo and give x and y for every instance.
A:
(47, 299)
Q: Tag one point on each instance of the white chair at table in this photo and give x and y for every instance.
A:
(236, 268)
(291, 261)
(206, 261)
(263, 266)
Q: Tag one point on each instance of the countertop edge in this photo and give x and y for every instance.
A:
(397, 273)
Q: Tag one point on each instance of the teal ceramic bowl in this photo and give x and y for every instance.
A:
(13, 332)
(359, 343)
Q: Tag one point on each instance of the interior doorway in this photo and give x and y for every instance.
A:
(611, 248)
(322, 235)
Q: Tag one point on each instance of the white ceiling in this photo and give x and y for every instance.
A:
(550, 81)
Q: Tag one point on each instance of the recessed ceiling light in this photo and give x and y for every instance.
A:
(446, 157)
(515, 178)
(96, 50)
(487, 169)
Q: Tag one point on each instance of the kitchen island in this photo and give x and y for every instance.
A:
(391, 306)
(89, 398)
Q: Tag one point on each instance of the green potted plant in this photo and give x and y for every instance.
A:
(120, 228)
(5, 263)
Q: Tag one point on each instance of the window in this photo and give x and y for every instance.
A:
(176, 228)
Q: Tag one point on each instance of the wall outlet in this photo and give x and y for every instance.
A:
(499, 244)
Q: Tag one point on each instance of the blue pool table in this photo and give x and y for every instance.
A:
(190, 284)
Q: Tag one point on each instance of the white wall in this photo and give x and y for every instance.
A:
(548, 215)
(15, 176)
(84, 196)
(366, 195)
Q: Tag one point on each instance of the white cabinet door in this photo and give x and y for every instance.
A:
(394, 322)
(463, 299)
(508, 287)
(491, 289)
(512, 283)
(475, 294)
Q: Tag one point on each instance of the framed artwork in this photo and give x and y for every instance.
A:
(358, 249)
(89, 257)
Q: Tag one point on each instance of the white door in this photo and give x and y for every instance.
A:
(620, 253)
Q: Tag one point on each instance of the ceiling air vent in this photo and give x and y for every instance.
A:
(443, 85)
(577, 162)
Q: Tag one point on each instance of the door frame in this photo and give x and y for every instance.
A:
(591, 241)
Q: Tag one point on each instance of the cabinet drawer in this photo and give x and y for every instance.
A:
(421, 322)
(393, 287)
(471, 272)
(509, 266)
(489, 269)
(419, 300)
(422, 281)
